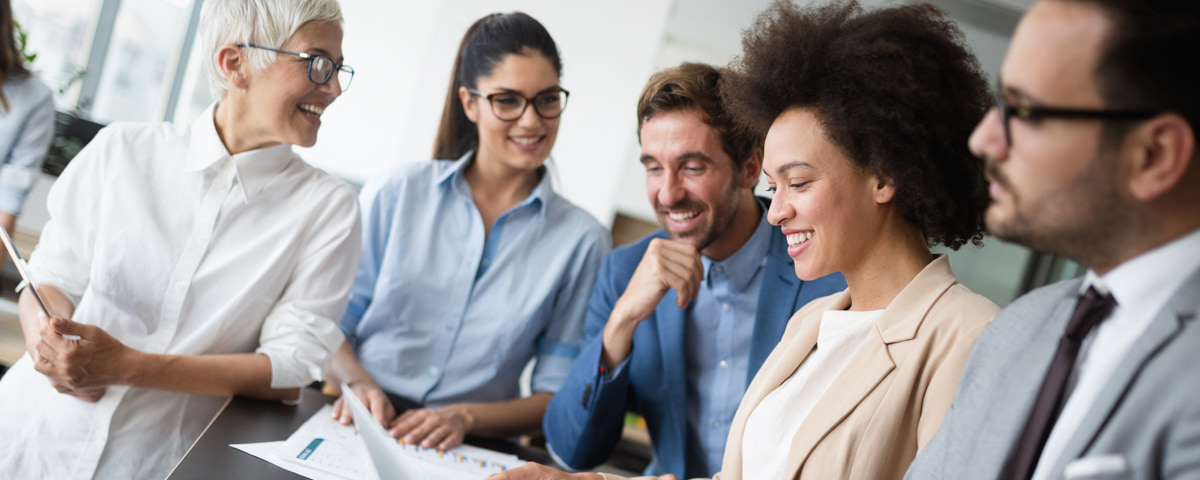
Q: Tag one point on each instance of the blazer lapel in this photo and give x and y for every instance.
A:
(1182, 307)
(872, 361)
(672, 341)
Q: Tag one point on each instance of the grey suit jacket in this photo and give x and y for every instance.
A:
(1145, 424)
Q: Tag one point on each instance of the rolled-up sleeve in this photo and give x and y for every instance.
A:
(300, 333)
(559, 345)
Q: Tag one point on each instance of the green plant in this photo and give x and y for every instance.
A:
(29, 57)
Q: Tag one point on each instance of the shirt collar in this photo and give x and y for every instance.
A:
(254, 169)
(1147, 281)
(748, 259)
(455, 177)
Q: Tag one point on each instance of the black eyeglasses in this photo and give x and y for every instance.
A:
(1007, 112)
(320, 67)
(510, 106)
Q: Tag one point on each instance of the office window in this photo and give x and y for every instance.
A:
(139, 66)
(112, 59)
(59, 32)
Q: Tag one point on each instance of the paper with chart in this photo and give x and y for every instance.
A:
(322, 449)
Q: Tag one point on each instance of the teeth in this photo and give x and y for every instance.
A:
(798, 238)
(526, 141)
(681, 216)
(313, 109)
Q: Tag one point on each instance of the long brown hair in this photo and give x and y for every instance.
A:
(12, 63)
(484, 46)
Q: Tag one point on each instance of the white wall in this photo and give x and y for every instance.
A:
(402, 53)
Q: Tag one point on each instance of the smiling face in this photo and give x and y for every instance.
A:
(828, 208)
(693, 184)
(1053, 186)
(283, 105)
(522, 144)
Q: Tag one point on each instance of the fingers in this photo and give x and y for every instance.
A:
(341, 412)
(86, 394)
(379, 405)
(428, 428)
(677, 265)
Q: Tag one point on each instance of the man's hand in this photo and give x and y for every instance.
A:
(443, 428)
(373, 397)
(667, 264)
(83, 367)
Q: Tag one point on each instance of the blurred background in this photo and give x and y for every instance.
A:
(136, 60)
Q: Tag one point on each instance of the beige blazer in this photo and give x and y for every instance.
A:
(892, 396)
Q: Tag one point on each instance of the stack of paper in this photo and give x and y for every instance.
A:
(321, 449)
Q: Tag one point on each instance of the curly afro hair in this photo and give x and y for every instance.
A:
(896, 89)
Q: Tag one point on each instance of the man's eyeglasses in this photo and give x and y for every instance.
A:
(1029, 114)
(320, 67)
(510, 106)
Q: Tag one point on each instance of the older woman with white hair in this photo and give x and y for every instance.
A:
(186, 263)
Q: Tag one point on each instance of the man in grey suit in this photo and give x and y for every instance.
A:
(1091, 154)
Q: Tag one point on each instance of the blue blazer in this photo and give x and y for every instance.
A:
(584, 420)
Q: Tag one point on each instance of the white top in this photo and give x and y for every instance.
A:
(172, 246)
(26, 130)
(772, 425)
(1142, 287)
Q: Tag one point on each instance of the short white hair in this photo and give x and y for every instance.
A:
(267, 23)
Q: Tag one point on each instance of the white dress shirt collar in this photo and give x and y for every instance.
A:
(253, 168)
(1147, 281)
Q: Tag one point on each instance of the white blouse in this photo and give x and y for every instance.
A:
(772, 425)
(173, 246)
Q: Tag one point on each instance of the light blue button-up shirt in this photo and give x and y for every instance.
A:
(442, 313)
(720, 324)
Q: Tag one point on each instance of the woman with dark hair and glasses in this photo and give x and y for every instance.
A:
(183, 264)
(473, 265)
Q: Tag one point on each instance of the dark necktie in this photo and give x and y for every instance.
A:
(1091, 309)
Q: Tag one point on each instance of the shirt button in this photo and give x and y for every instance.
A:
(724, 364)
(433, 371)
(717, 269)
(450, 327)
(180, 286)
(222, 186)
(201, 239)
(726, 307)
(716, 424)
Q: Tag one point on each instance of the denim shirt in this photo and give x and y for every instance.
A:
(720, 324)
(442, 312)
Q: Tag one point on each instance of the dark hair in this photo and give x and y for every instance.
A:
(484, 46)
(1140, 67)
(895, 89)
(12, 63)
(697, 86)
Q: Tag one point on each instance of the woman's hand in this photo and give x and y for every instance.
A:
(443, 428)
(82, 367)
(373, 397)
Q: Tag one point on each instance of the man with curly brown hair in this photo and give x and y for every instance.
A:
(1091, 154)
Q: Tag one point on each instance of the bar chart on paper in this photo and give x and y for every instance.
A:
(322, 449)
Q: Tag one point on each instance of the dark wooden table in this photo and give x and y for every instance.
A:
(246, 420)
